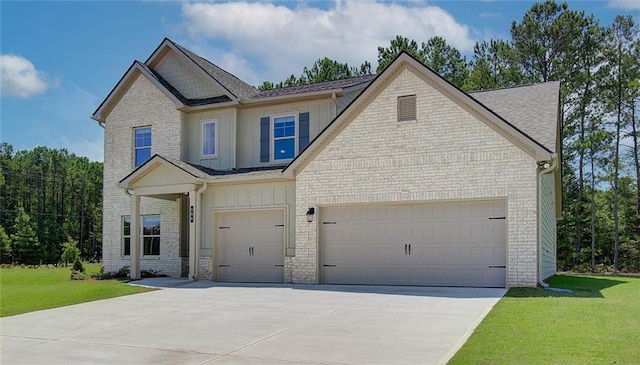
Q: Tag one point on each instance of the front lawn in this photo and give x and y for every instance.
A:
(27, 289)
(597, 324)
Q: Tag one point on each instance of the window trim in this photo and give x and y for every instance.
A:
(125, 236)
(136, 148)
(142, 235)
(272, 137)
(215, 138)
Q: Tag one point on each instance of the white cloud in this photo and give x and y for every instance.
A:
(275, 41)
(624, 4)
(19, 77)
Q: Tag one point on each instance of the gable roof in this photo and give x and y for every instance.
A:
(231, 83)
(523, 140)
(125, 82)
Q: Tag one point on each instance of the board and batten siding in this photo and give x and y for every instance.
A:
(245, 197)
(547, 201)
(446, 154)
(225, 139)
(185, 79)
(248, 127)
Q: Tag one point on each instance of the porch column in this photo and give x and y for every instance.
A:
(192, 234)
(135, 237)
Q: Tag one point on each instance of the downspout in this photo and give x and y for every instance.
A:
(198, 230)
(541, 173)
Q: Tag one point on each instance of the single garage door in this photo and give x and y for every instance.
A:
(251, 246)
(443, 244)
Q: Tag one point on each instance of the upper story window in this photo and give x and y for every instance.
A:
(209, 139)
(284, 138)
(142, 145)
(407, 108)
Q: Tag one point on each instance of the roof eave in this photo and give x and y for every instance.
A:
(522, 140)
(195, 66)
(150, 165)
(135, 66)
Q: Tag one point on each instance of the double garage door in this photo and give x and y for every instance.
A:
(444, 244)
(251, 246)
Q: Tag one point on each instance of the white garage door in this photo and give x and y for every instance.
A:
(251, 246)
(443, 244)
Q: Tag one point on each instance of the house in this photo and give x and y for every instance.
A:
(398, 178)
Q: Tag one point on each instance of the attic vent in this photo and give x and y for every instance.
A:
(406, 108)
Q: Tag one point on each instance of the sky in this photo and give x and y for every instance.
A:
(59, 60)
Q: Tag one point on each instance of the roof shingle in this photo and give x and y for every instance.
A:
(533, 109)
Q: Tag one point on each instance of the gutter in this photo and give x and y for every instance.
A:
(196, 252)
(541, 173)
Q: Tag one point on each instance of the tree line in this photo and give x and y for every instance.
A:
(48, 197)
(599, 69)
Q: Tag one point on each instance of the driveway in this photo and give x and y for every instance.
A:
(211, 323)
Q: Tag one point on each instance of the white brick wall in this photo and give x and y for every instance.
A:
(142, 105)
(446, 154)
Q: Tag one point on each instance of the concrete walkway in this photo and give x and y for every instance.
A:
(211, 323)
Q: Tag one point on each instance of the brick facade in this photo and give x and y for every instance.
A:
(142, 105)
(446, 154)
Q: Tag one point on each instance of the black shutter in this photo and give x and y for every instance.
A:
(264, 139)
(303, 121)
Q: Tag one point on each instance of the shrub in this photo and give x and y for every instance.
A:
(77, 265)
(70, 252)
(151, 274)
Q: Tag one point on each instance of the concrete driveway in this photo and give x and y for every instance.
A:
(211, 323)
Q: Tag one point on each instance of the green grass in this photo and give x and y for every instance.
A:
(25, 290)
(597, 324)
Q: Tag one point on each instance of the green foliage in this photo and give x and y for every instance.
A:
(25, 241)
(62, 194)
(324, 69)
(397, 46)
(5, 247)
(25, 290)
(70, 252)
(77, 265)
(534, 325)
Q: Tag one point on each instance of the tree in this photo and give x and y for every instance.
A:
(324, 69)
(5, 247)
(446, 60)
(25, 240)
(386, 55)
(70, 252)
(494, 66)
(621, 41)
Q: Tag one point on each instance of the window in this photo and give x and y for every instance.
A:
(284, 138)
(142, 145)
(126, 235)
(150, 234)
(209, 139)
(407, 108)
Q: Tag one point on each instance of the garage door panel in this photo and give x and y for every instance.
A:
(451, 244)
(250, 246)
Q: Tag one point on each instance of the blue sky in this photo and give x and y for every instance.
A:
(60, 59)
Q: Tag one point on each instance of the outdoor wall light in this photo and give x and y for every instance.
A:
(310, 214)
